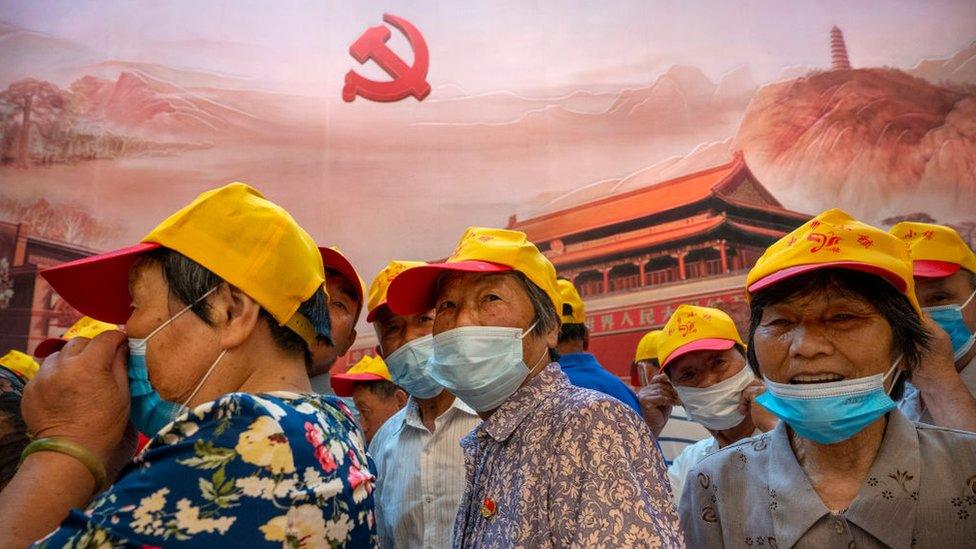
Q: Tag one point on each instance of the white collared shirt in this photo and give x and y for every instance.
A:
(420, 476)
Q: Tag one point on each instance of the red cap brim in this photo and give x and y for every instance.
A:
(50, 346)
(930, 268)
(98, 286)
(412, 291)
(335, 260)
(790, 272)
(709, 344)
(343, 384)
(371, 316)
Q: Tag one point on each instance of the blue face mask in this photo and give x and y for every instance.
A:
(408, 368)
(828, 413)
(949, 318)
(481, 365)
(148, 410)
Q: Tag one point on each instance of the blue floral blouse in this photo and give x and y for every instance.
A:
(274, 469)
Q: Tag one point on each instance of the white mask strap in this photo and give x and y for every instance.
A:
(963, 306)
(183, 310)
(204, 379)
(890, 370)
(529, 330)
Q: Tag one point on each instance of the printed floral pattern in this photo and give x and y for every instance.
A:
(246, 470)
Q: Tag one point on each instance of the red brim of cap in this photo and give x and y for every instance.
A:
(371, 316)
(779, 276)
(48, 347)
(335, 260)
(412, 291)
(343, 384)
(98, 286)
(709, 344)
(930, 268)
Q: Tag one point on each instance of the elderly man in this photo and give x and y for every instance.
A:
(419, 464)
(552, 464)
(581, 367)
(345, 289)
(704, 360)
(944, 269)
(369, 385)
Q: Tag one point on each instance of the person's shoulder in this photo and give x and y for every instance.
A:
(748, 451)
(952, 439)
(584, 407)
(385, 438)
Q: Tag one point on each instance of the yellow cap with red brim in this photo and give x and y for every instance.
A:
(480, 250)
(835, 240)
(332, 257)
(937, 251)
(692, 328)
(233, 231)
(368, 369)
(86, 327)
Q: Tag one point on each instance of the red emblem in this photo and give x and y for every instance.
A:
(407, 80)
(865, 240)
(928, 234)
(687, 328)
(827, 242)
(488, 508)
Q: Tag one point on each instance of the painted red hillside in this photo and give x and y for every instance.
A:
(866, 140)
(143, 105)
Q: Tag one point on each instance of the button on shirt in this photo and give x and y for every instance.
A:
(919, 492)
(912, 406)
(556, 466)
(583, 370)
(420, 476)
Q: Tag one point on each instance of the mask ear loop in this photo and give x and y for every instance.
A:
(963, 306)
(897, 373)
(183, 310)
(544, 353)
(204, 378)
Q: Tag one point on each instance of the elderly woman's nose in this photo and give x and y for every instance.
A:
(808, 341)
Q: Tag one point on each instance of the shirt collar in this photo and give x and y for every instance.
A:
(968, 375)
(411, 416)
(796, 507)
(524, 401)
(576, 359)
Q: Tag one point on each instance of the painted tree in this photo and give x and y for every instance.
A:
(38, 103)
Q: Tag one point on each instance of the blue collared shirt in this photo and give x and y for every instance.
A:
(583, 370)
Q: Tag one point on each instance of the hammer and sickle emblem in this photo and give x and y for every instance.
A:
(407, 80)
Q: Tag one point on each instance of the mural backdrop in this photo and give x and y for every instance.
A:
(721, 125)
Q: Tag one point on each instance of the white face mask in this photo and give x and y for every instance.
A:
(717, 406)
(481, 365)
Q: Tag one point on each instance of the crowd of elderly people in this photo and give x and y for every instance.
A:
(193, 404)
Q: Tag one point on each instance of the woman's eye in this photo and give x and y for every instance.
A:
(340, 305)
(444, 305)
(492, 297)
(843, 317)
(777, 322)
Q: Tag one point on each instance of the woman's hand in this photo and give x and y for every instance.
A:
(761, 418)
(82, 394)
(657, 399)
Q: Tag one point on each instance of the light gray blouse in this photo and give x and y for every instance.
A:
(920, 492)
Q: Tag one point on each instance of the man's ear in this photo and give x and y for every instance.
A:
(235, 314)
(401, 397)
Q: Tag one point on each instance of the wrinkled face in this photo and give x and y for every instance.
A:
(823, 336)
(474, 299)
(705, 368)
(178, 355)
(343, 313)
(951, 290)
(374, 410)
(393, 330)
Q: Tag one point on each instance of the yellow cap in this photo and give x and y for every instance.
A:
(937, 251)
(85, 327)
(369, 368)
(647, 346)
(381, 284)
(480, 250)
(834, 239)
(570, 297)
(692, 328)
(20, 363)
(234, 232)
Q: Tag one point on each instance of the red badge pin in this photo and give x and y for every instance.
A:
(488, 508)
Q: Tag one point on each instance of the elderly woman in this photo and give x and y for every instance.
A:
(834, 328)
(551, 464)
(223, 303)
